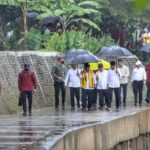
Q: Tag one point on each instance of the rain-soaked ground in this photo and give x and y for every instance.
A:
(41, 130)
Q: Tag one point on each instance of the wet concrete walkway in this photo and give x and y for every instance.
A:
(44, 127)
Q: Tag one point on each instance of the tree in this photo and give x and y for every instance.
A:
(72, 11)
(25, 6)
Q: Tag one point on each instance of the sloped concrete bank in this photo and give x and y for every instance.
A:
(11, 64)
(131, 132)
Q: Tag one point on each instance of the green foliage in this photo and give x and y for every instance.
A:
(79, 40)
(71, 12)
(141, 4)
(33, 40)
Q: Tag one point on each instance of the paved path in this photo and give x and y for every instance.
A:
(44, 127)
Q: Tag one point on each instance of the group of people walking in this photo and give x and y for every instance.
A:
(102, 83)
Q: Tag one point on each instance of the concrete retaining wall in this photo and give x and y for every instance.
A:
(10, 66)
(128, 130)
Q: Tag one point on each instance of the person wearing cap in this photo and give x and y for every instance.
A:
(87, 85)
(101, 84)
(137, 79)
(73, 81)
(58, 73)
(114, 76)
(148, 82)
(124, 79)
(27, 84)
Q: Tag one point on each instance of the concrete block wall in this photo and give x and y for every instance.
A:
(131, 132)
(10, 66)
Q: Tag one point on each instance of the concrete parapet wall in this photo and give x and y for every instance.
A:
(128, 130)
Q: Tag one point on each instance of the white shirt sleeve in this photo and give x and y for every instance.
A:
(95, 78)
(108, 74)
(132, 76)
(79, 72)
(127, 72)
(119, 73)
(67, 78)
(145, 76)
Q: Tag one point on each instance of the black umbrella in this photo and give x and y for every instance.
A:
(50, 20)
(146, 48)
(31, 15)
(80, 57)
(114, 51)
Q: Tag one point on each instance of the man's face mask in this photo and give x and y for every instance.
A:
(26, 69)
(62, 62)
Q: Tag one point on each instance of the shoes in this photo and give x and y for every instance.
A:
(63, 107)
(147, 100)
(108, 109)
(140, 105)
(24, 113)
(30, 113)
(73, 109)
(124, 105)
(89, 109)
(101, 108)
(83, 109)
(78, 105)
(135, 104)
(56, 107)
(117, 109)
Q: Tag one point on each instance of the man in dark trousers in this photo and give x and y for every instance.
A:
(148, 82)
(138, 79)
(87, 85)
(58, 73)
(114, 76)
(73, 81)
(27, 84)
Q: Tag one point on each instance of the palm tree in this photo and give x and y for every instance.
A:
(72, 11)
(25, 6)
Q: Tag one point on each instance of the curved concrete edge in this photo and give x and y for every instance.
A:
(104, 136)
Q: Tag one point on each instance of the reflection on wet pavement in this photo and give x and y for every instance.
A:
(46, 126)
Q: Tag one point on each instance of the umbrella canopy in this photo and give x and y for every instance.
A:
(50, 19)
(80, 57)
(94, 66)
(146, 48)
(114, 51)
(31, 15)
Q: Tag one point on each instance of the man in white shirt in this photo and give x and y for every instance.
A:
(123, 80)
(114, 83)
(87, 85)
(73, 81)
(138, 78)
(101, 84)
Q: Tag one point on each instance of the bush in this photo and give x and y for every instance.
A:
(79, 40)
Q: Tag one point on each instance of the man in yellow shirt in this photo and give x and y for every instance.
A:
(87, 85)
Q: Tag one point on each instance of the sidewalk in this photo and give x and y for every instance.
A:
(44, 127)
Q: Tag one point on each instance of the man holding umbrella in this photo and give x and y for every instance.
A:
(101, 84)
(73, 81)
(87, 85)
(114, 83)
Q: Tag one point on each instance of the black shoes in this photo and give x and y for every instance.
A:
(147, 100)
(30, 113)
(73, 109)
(24, 113)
